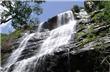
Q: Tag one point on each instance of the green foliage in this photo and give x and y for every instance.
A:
(102, 49)
(80, 34)
(20, 12)
(105, 32)
(7, 40)
(102, 17)
(98, 33)
(90, 37)
(87, 36)
(14, 35)
(90, 28)
(76, 8)
(3, 38)
(97, 17)
(105, 15)
(89, 6)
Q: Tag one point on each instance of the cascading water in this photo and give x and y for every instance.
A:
(40, 27)
(15, 55)
(57, 38)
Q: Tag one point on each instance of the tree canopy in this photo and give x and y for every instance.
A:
(20, 12)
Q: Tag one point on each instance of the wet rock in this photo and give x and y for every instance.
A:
(82, 53)
(51, 23)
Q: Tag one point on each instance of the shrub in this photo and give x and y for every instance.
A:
(76, 8)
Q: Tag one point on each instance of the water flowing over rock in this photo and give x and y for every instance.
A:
(61, 35)
(14, 56)
(63, 44)
(36, 48)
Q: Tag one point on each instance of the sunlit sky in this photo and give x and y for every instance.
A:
(50, 9)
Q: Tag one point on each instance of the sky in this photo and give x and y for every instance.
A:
(50, 9)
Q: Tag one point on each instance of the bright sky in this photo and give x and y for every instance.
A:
(50, 9)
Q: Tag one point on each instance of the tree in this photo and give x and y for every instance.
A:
(19, 12)
(103, 16)
(89, 5)
(76, 8)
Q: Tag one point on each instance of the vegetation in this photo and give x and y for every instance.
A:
(76, 8)
(97, 33)
(89, 5)
(20, 12)
(105, 15)
(7, 40)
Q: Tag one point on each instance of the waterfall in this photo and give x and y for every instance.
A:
(57, 38)
(64, 17)
(15, 54)
(40, 27)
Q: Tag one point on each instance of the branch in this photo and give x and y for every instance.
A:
(4, 21)
(95, 12)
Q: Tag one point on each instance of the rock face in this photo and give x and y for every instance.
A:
(95, 36)
(50, 24)
(88, 50)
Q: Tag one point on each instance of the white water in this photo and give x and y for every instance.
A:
(58, 37)
(63, 17)
(15, 54)
(40, 26)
